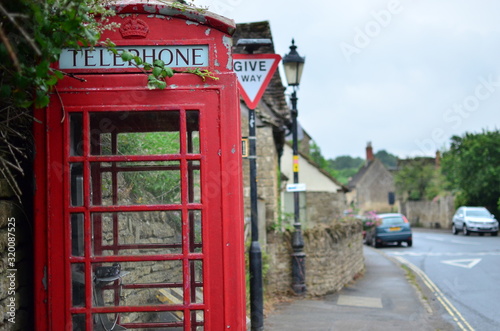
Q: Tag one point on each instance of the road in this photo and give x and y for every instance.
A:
(466, 271)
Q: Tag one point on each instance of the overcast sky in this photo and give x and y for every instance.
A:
(406, 75)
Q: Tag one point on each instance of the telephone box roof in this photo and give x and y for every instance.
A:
(168, 8)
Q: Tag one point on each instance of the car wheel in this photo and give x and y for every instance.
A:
(481, 234)
(375, 243)
(494, 234)
(409, 243)
(454, 229)
(466, 231)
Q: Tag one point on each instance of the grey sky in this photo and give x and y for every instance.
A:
(406, 75)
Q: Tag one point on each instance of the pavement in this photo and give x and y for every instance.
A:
(383, 299)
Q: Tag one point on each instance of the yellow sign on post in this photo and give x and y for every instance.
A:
(295, 163)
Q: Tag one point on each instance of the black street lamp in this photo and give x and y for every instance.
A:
(293, 64)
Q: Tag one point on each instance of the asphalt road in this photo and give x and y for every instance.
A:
(465, 271)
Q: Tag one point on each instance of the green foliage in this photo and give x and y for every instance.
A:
(346, 162)
(389, 160)
(33, 33)
(318, 158)
(418, 179)
(146, 186)
(472, 167)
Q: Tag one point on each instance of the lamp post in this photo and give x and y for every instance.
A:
(293, 64)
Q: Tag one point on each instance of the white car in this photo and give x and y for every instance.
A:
(474, 219)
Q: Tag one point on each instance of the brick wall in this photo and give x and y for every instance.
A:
(334, 256)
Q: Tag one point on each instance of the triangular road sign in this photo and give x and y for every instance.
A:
(464, 263)
(254, 73)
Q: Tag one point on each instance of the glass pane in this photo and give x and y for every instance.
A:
(194, 182)
(146, 143)
(76, 173)
(75, 134)
(197, 320)
(77, 234)
(135, 133)
(196, 231)
(157, 321)
(138, 283)
(78, 284)
(193, 131)
(136, 183)
(137, 233)
(79, 322)
(197, 278)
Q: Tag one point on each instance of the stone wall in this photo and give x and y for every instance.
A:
(322, 207)
(334, 256)
(430, 214)
(16, 270)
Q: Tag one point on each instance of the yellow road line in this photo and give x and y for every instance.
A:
(448, 306)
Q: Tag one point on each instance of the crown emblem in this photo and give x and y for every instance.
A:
(134, 28)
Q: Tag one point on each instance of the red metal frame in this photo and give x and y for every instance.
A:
(218, 163)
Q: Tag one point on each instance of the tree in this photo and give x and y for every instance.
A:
(346, 162)
(319, 159)
(417, 179)
(388, 159)
(472, 167)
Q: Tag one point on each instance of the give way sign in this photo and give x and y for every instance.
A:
(254, 73)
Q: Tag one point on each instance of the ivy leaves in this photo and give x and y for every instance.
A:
(157, 71)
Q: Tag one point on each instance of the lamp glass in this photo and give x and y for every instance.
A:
(293, 72)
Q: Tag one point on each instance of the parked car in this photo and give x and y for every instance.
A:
(390, 228)
(474, 219)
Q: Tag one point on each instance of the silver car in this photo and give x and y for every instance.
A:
(474, 219)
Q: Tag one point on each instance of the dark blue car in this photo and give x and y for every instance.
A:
(390, 228)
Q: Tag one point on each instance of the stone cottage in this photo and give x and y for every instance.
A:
(371, 185)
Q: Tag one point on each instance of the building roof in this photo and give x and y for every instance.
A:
(361, 172)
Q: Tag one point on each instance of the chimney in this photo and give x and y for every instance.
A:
(369, 152)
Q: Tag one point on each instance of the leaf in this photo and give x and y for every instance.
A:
(58, 74)
(52, 80)
(127, 56)
(157, 71)
(42, 101)
(137, 60)
(169, 72)
(159, 63)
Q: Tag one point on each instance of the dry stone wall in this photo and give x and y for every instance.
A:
(334, 257)
(430, 214)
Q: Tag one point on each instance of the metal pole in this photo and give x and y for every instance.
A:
(255, 254)
(298, 255)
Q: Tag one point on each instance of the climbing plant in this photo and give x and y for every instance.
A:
(33, 33)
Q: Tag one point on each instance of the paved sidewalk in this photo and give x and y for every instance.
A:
(383, 299)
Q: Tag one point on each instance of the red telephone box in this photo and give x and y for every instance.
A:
(139, 192)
